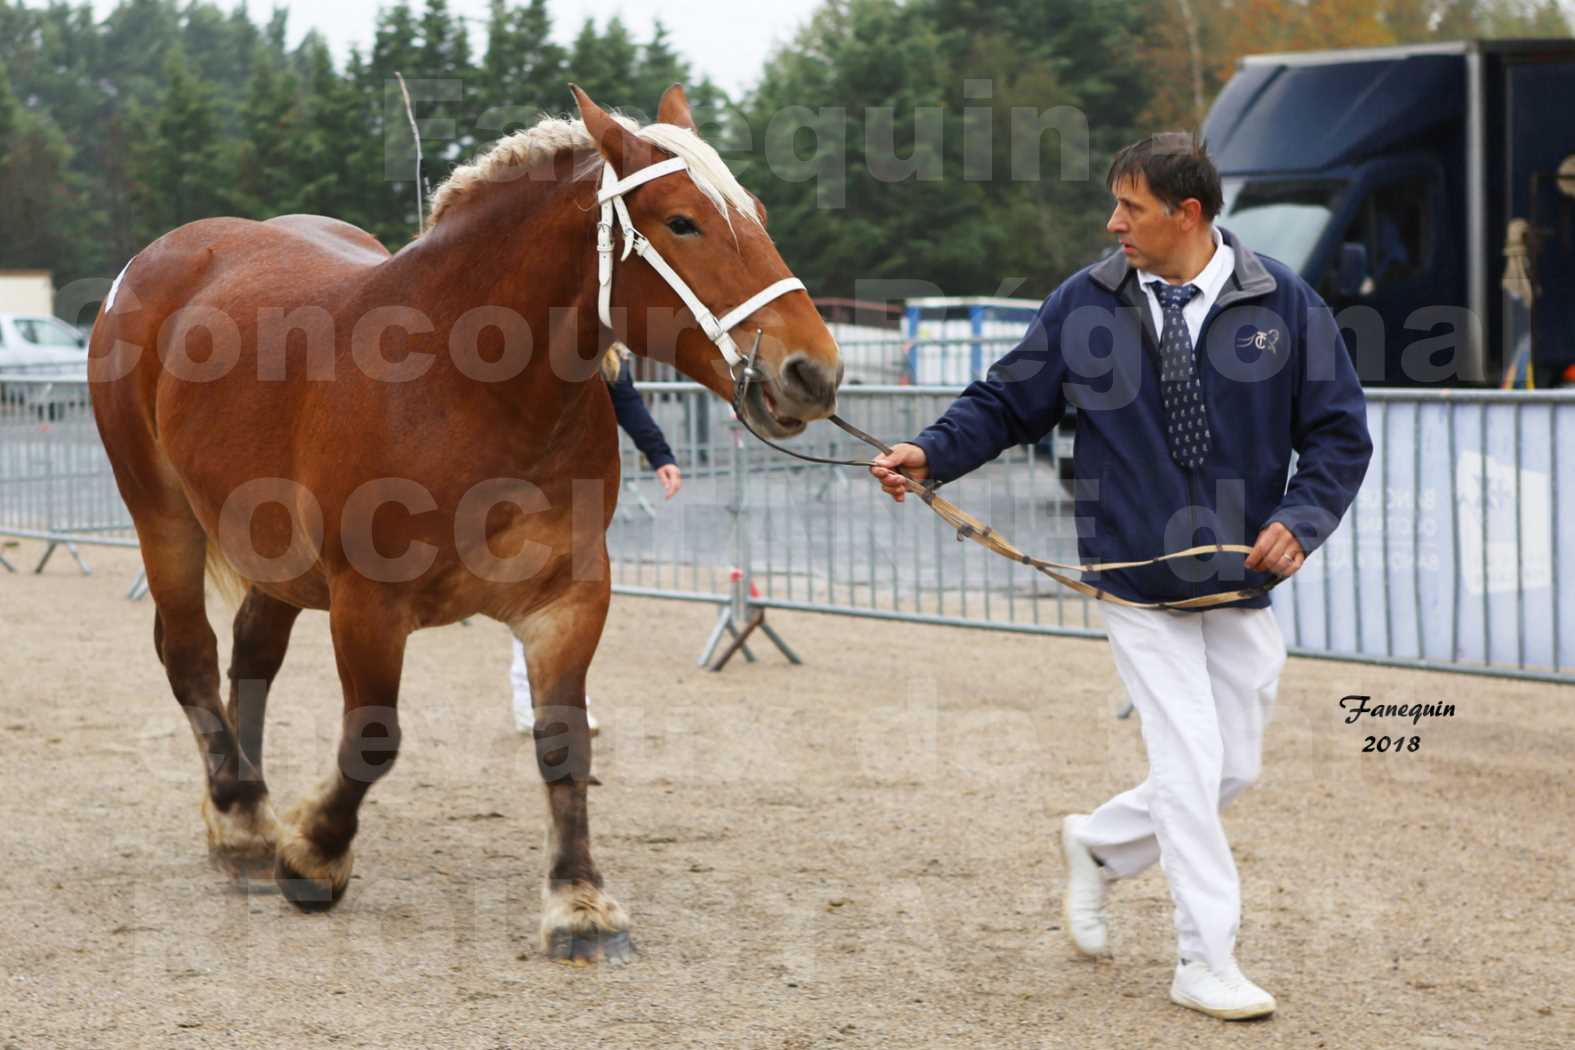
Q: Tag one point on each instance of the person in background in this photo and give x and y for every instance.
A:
(636, 421)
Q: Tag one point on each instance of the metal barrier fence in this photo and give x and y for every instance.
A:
(1449, 558)
(754, 529)
(55, 481)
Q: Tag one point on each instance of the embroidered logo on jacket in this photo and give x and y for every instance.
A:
(1261, 340)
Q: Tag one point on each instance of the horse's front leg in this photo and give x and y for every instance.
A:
(580, 923)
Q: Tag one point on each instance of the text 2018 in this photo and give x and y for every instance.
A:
(1392, 743)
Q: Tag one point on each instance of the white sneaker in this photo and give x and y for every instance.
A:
(1229, 996)
(525, 716)
(1083, 905)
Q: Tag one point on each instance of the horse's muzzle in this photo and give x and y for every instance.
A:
(808, 384)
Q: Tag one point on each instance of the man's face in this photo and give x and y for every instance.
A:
(1150, 236)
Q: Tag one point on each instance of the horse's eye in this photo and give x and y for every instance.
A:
(682, 226)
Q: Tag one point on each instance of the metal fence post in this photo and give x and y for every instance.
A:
(741, 616)
(732, 613)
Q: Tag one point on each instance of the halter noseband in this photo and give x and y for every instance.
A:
(615, 215)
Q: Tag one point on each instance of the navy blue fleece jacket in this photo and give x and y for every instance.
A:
(636, 420)
(1275, 375)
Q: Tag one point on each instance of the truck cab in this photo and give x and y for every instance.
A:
(1419, 191)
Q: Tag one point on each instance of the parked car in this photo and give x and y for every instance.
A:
(43, 361)
(33, 343)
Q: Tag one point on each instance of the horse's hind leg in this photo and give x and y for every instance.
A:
(262, 634)
(242, 831)
(244, 842)
(369, 631)
(580, 922)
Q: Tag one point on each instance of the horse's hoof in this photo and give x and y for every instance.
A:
(242, 842)
(243, 865)
(310, 879)
(309, 895)
(587, 947)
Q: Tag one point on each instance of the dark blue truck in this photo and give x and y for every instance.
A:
(1426, 192)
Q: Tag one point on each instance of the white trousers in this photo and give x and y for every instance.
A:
(1203, 684)
(519, 679)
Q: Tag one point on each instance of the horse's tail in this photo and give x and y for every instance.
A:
(229, 583)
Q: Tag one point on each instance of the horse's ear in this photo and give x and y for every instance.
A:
(674, 109)
(615, 141)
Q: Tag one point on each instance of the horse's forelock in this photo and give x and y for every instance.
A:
(709, 172)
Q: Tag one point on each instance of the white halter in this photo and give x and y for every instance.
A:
(614, 210)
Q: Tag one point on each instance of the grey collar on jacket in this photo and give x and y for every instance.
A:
(1248, 280)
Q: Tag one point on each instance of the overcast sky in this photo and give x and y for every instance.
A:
(725, 38)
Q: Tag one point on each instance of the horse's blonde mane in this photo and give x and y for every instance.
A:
(511, 156)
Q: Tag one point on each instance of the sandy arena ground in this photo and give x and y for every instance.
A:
(859, 852)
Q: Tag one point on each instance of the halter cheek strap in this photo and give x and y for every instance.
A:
(615, 214)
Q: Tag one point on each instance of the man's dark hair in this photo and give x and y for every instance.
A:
(1175, 165)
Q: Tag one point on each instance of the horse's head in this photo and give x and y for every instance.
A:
(710, 233)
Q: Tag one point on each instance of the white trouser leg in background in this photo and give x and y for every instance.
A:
(1203, 685)
(519, 678)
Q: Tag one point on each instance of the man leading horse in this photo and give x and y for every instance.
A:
(1197, 367)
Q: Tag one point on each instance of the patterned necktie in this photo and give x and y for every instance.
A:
(1187, 427)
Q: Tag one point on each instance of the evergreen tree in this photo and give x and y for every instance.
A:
(10, 115)
(333, 121)
(370, 203)
(603, 65)
(445, 47)
(386, 152)
(659, 67)
(276, 33)
(138, 36)
(179, 167)
(961, 143)
(442, 113)
(52, 56)
(219, 48)
(168, 110)
(396, 42)
(522, 72)
(865, 80)
(267, 164)
(713, 114)
(541, 63)
(46, 219)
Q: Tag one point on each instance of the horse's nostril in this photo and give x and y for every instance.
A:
(808, 381)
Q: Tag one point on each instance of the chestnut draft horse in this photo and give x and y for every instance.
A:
(409, 440)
